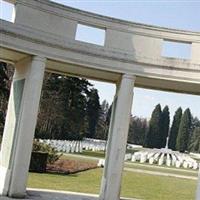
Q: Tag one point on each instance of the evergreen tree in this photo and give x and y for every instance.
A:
(165, 119)
(104, 121)
(184, 132)
(195, 123)
(174, 129)
(137, 130)
(63, 106)
(93, 108)
(195, 141)
(153, 138)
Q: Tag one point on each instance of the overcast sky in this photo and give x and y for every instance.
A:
(172, 14)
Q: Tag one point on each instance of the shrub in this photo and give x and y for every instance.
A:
(53, 154)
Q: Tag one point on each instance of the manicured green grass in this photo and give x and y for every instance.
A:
(157, 187)
(74, 157)
(88, 181)
(98, 154)
(133, 150)
(136, 185)
(188, 172)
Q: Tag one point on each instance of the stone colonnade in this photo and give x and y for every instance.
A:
(20, 127)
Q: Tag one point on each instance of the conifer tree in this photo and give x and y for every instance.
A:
(174, 129)
(195, 141)
(164, 129)
(184, 132)
(93, 109)
(153, 139)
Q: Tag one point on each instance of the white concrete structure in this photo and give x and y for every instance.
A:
(20, 125)
(43, 35)
(118, 133)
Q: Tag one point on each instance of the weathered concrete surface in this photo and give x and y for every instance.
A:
(117, 139)
(38, 194)
(129, 48)
(20, 125)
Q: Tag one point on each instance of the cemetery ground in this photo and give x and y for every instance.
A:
(141, 185)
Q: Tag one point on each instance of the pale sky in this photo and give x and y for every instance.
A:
(173, 14)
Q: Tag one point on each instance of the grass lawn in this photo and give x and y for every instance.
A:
(132, 151)
(178, 171)
(134, 185)
(98, 154)
(87, 181)
(74, 157)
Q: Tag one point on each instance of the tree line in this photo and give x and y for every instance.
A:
(184, 133)
(69, 107)
(70, 110)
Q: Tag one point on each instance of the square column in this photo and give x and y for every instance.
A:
(198, 187)
(20, 125)
(117, 139)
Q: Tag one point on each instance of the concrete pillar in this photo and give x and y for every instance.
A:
(20, 125)
(117, 140)
(198, 187)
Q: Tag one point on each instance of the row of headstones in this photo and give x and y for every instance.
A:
(68, 146)
(101, 162)
(170, 159)
(100, 145)
(65, 146)
(78, 146)
(184, 161)
(94, 144)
